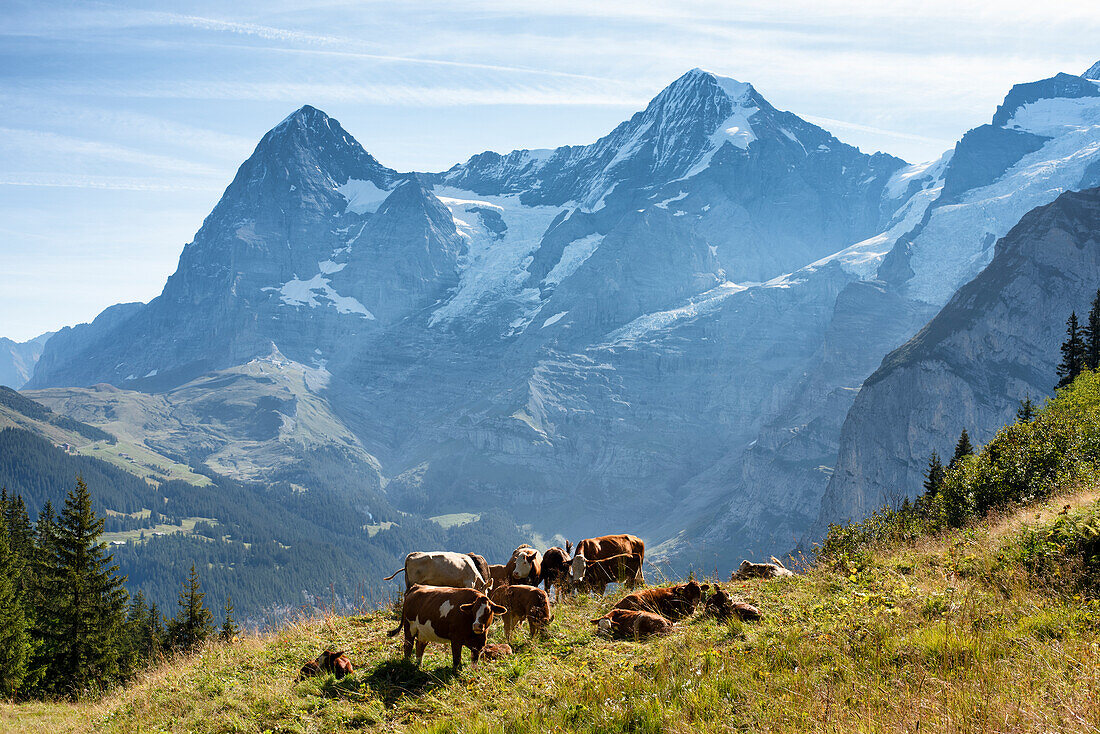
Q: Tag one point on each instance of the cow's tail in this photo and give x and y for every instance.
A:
(394, 574)
(393, 633)
(778, 562)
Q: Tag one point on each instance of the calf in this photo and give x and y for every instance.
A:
(673, 602)
(437, 614)
(523, 603)
(632, 625)
(495, 651)
(336, 663)
(750, 570)
(441, 568)
(525, 566)
(625, 568)
(498, 575)
(558, 569)
(722, 607)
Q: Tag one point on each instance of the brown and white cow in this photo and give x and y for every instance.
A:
(721, 606)
(444, 614)
(525, 566)
(481, 564)
(441, 568)
(336, 663)
(606, 546)
(672, 602)
(625, 568)
(498, 574)
(523, 603)
(632, 624)
(558, 569)
(750, 570)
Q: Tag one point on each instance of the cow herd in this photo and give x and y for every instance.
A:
(453, 598)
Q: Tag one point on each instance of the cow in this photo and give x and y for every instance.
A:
(672, 602)
(561, 570)
(495, 651)
(722, 607)
(443, 614)
(630, 624)
(336, 663)
(525, 566)
(441, 568)
(523, 603)
(481, 564)
(498, 574)
(750, 570)
(625, 568)
(606, 546)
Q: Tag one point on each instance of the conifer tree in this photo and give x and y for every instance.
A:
(1073, 353)
(229, 628)
(1092, 334)
(15, 641)
(962, 449)
(933, 475)
(1026, 412)
(82, 602)
(193, 623)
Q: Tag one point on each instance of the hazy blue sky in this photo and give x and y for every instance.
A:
(123, 122)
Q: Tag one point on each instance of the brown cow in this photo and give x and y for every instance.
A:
(523, 603)
(632, 625)
(558, 569)
(721, 606)
(750, 570)
(606, 546)
(441, 568)
(336, 663)
(673, 602)
(495, 651)
(498, 575)
(445, 614)
(625, 568)
(525, 566)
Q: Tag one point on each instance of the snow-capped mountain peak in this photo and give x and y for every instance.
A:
(1093, 72)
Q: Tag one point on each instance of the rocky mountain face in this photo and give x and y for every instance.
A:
(660, 331)
(17, 359)
(994, 343)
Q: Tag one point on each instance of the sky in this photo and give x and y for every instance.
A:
(122, 123)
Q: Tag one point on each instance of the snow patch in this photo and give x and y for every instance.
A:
(572, 257)
(553, 319)
(299, 293)
(362, 196)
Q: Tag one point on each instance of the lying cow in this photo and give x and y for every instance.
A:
(496, 651)
(525, 566)
(441, 568)
(722, 607)
(625, 568)
(523, 603)
(750, 570)
(558, 569)
(630, 624)
(672, 602)
(436, 614)
(336, 663)
(607, 546)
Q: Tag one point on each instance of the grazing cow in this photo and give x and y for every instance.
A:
(525, 566)
(606, 546)
(336, 663)
(722, 607)
(441, 568)
(523, 603)
(673, 602)
(440, 614)
(625, 568)
(750, 570)
(561, 570)
(495, 651)
(630, 624)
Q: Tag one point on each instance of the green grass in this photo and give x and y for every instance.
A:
(455, 519)
(186, 526)
(946, 634)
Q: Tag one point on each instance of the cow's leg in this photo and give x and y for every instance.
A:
(456, 654)
(408, 640)
(420, 646)
(475, 654)
(509, 625)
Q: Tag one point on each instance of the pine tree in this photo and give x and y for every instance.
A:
(82, 602)
(1073, 353)
(1092, 334)
(15, 641)
(1026, 412)
(933, 476)
(229, 628)
(194, 623)
(962, 449)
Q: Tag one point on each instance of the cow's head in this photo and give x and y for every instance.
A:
(539, 612)
(603, 625)
(577, 567)
(691, 592)
(526, 559)
(482, 610)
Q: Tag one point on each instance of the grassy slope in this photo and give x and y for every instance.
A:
(947, 634)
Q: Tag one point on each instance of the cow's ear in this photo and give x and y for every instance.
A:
(704, 587)
(467, 607)
(498, 609)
